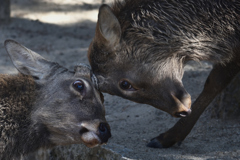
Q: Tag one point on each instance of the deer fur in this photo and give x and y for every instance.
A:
(141, 46)
(42, 106)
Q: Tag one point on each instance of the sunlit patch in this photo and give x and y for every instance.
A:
(58, 17)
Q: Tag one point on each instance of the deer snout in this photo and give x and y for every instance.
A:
(183, 104)
(104, 132)
(94, 133)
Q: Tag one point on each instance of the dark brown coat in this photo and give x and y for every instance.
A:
(140, 48)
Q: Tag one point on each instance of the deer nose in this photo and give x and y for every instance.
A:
(104, 132)
(183, 113)
(183, 104)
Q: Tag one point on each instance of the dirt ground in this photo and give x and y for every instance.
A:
(61, 30)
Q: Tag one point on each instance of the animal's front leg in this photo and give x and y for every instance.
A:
(217, 80)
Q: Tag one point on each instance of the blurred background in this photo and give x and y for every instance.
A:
(55, 28)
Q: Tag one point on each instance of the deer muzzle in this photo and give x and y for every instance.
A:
(183, 105)
(94, 134)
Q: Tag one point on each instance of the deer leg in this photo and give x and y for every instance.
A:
(218, 79)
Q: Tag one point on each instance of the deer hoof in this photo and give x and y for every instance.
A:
(154, 143)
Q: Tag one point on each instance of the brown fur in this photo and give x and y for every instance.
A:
(141, 46)
(17, 94)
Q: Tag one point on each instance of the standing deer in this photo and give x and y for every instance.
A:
(47, 105)
(141, 46)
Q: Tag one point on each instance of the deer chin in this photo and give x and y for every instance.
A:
(90, 139)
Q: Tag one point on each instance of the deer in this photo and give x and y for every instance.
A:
(140, 48)
(46, 105)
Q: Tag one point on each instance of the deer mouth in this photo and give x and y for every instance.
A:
(91, 133)
(90, 139)
(94, 135)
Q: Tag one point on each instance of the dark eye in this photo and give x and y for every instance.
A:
(79, 85)
(126, 85)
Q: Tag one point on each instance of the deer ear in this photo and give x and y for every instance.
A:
(26, 61)
(108, 25)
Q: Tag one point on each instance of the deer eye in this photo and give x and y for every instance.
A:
(79, 85)
(125, 85)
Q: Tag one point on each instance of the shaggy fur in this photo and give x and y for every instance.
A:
(197, 30)
(17, 95)
(141, 46)
(157, 37)
(155, 30)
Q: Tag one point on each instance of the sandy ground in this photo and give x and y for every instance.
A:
(61, 30)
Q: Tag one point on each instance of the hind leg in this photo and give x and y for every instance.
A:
(217, 80)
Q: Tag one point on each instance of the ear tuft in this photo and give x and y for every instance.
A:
(109, 25)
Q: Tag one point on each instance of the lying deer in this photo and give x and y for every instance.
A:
(47, 105)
